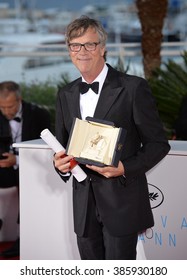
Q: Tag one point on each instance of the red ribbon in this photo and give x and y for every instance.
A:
(72, 161)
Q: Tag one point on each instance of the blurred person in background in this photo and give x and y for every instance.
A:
(19, 121)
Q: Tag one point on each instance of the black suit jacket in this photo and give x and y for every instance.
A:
(181, 122)
(123, 203)
(35, 119)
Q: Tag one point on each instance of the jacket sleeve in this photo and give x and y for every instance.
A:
(149, 133)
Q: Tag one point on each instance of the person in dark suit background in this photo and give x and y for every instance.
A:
(19, 121)
(111, 206)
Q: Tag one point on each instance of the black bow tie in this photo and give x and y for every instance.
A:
(84, 87)
(17, 119)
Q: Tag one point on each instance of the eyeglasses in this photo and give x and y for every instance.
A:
(76, 47)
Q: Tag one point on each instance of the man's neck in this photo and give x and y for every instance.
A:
(90, 77)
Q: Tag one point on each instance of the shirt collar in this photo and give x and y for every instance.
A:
(101, 77)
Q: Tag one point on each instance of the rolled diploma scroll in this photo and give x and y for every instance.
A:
(54, 144)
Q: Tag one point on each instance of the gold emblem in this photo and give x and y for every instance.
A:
(119, 146)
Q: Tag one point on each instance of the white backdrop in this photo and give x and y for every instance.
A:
(46, 222)
(168, 194)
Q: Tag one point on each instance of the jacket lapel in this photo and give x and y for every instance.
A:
(111, 89)
(73, 96)
(109, 94)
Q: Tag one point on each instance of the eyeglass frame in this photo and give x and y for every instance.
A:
(83, 45)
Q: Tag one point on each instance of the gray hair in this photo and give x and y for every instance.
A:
(7, 87)
(79, 26)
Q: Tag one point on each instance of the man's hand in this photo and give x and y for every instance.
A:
(9, 161)
(62, 162)
(109, 171)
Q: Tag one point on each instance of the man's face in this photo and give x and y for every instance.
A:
(9, 106)
(89, 63)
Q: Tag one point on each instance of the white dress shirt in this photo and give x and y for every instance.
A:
(88, 101)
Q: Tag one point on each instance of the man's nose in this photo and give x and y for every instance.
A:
(83, 49)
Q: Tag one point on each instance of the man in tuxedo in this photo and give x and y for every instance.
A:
(19, 121)
(111, 206)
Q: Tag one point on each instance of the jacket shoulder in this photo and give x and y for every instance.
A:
(123, 77)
